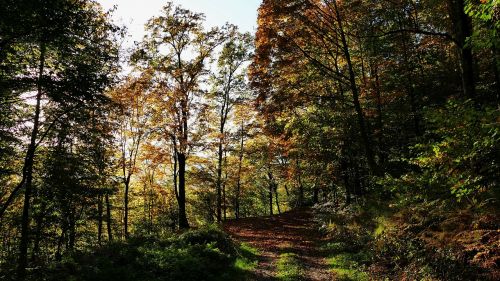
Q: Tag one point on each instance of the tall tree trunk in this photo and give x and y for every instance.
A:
(181, 161)
(145, 201)
(347, 188)
(38, 232)
(224, 205)
(219, 181)
(462, 28)
(358, 187)
(344, 170)
(99, 219)
(270, 199)
(174, 173)
(271, 191)
(380, 118)
(125, 218)
(183, 222)
(409, 83)
(276, 198)
(28, 172)
(378, 96)
(238, 183)
(315, 194)
(365, 136)
(224, 201)
(287, 191)
(149, 200)
(223, 117)
(496, 71)
(300, 202)
(72, 230)
(60, 241)
(108, 218)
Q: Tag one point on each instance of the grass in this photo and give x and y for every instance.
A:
(289, 268)
(350, 231)
(346, 267)
(247, 259)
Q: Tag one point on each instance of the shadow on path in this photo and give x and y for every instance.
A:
(291, 232)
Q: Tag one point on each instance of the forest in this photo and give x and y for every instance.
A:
(343, 140)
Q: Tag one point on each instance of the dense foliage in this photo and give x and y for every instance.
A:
(344, 105)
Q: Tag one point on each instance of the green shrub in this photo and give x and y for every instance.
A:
(458, 156)
(210, 235)
(205, 254)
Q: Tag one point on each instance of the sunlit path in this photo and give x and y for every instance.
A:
(293, 232)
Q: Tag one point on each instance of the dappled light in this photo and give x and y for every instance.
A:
(232, 140)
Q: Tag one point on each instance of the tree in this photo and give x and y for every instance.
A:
(55, 30)
(132, 97)
(323, 43)
(177, 50)
(229, 85)
(243, 119)
(346, 61)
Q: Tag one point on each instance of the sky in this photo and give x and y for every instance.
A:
(135, 13)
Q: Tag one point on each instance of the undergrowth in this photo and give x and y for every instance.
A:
(204, 254)
(428, 240)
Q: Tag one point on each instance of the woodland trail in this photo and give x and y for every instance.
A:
(291, 232)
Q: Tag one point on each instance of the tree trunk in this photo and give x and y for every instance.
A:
(176, 191)
(223, 117)
(496, 72)
(224, 201)
(58, 254)
(125, 218)
(345, 177)
(315, 194)
(300, 202)
(238, 183)
(270, 199)
(99, 219)
(183, 222)
(358, 188)
(108, 218)
(28, 172)
(181, 161)
(347, 190)
(365, 136)
(72, 231)
(38, 232)
(380, 118)
(409, 84)
(276, 198)
(219, 181)
(224, 205)
(271, 191)
(462, 27)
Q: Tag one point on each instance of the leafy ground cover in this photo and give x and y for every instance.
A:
(204, 254)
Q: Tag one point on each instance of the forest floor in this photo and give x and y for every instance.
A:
(289, 246)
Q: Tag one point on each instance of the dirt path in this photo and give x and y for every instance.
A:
(291, 232)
